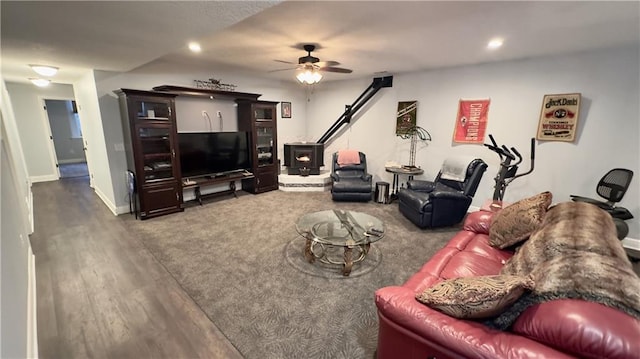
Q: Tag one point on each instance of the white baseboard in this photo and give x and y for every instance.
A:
(631, 243)
(29, 201)
(32, 311)
(45, 178)
(107, 202)
(122, 210)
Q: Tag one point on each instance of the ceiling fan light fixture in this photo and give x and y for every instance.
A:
(309, 76)
(43, 70)
(40, 82)
(195, 47)
(495, 43)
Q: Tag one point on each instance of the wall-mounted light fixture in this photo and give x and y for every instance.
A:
(43, 70)
(40, 82)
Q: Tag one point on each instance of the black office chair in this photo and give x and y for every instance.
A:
(350, 182)
(443, 202)
(612, 187)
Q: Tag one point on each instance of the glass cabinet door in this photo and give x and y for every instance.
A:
(264, 146)
(152, 110)
(157, 152)
(264, 113)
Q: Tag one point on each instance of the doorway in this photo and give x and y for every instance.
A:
(66, 134)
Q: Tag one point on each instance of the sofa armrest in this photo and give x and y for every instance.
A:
(478, 222)
(413, 199)
(419, 199)
(581, 328)
(450, 195)
(469, 339)
(421, 185)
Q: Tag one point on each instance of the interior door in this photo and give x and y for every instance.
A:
(65, 133)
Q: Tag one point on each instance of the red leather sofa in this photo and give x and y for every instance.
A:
(566, 328)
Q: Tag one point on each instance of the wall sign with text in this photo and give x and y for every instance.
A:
(471, 122)
(406, 117)
(559, 117)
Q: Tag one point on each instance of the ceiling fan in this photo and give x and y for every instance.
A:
(309, 67)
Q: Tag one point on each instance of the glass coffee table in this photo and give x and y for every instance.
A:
(326, 232)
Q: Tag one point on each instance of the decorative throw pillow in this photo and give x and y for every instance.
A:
(515, 223)
(475, 297)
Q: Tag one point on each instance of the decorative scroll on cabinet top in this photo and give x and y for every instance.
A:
(208, 93)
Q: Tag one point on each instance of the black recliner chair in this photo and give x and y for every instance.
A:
(443, 202)
(350, 182)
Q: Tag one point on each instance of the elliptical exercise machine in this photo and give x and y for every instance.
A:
(508, 171)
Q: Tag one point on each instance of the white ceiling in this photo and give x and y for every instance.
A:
(366, 36)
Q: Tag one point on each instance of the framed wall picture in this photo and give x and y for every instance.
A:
(406, 117)
(559, 117)
(285, 108)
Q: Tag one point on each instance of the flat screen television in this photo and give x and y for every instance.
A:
(213, 153)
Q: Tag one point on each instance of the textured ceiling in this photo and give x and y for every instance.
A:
(107, 35)
(366, 36)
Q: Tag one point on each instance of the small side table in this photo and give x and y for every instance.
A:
(397, 171)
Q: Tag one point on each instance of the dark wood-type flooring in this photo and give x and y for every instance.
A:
(101, 294)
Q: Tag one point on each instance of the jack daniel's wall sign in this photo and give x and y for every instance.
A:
(559, 117)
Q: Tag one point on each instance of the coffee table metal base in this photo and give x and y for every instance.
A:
(339, 237)
(314, 250)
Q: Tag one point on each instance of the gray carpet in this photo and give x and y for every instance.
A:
(237, 259)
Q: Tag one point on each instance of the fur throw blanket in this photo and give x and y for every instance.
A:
(574, 254)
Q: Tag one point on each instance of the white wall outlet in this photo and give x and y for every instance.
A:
(119, 147)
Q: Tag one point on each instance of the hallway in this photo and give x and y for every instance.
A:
(70, 170)
(100, 293)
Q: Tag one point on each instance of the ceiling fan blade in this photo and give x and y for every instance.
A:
(327, 63)
(285, 62)
(287, 69)
(336, 69)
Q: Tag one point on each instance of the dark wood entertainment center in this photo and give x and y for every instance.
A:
(260, 120)
(151, 146)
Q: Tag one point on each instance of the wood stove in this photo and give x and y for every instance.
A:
(303, 158)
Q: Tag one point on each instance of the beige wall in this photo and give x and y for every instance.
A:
(607, 135)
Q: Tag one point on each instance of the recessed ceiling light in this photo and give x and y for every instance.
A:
(195, 47)
(495, 43)
(40, 82)
(44, 70)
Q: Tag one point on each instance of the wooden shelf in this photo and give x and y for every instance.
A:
(204, 181)
(146, 118)
(213, 94)
(198, 182)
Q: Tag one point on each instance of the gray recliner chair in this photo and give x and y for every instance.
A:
(350, 182)
(443, 202)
